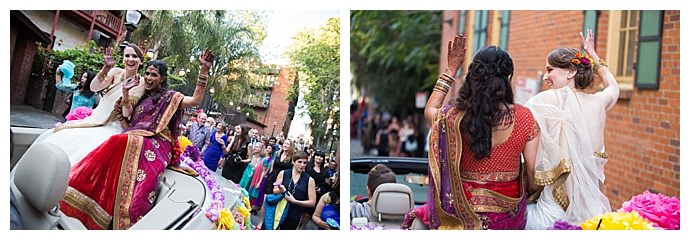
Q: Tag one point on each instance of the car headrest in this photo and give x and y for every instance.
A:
(42, 175)
(391, 201)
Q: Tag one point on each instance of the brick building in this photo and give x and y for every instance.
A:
(268, 99)
(643, 129)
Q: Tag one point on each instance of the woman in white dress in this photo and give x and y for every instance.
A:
(569, 170)
(79, 137)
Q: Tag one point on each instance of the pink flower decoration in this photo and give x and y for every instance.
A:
(79, 113)
(659, 209)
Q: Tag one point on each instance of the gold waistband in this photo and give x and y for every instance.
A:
(601, 155)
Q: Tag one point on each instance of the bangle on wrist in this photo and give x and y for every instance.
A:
(598, 64)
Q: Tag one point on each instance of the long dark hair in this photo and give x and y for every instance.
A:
(85, 88)
(239, 140)
(156, 94)
(562, 58)
(486, 88)
(335, 193)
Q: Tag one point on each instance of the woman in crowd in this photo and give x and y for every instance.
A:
(82, 96)
(255, 192)
(328, 207)
(236, 155)
(116, 184)
(299, 190)
(252, 162)
(572, 122)
(215, 152)
(317, 171)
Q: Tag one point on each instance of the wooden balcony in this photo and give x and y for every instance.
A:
(106, 21)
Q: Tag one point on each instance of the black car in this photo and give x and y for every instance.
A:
(412, 172)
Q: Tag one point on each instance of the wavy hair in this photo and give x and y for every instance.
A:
(562, 58)
(486, 88)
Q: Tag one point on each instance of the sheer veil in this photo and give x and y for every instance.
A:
(565, 150)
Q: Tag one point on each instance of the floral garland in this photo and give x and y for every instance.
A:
(563, 225)
(367, 227)
(581, 59)
(617, 221)
(645, 211)
(79, 113)
(221, 216)
(662, 211)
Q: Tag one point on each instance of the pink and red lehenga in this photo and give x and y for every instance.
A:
(116, 184)
(465, 193)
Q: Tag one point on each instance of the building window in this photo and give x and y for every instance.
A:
(481, 22)
(634, 48)
(500, 21)
(622, 45)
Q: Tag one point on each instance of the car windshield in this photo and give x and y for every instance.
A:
(358, 183)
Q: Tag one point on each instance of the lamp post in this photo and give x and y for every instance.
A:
(208, 103)
(132, 18)
(274, 128)
(335, 132)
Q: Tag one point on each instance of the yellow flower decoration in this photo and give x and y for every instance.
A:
(225, 220)
(184, 142)
(617, 221)
(575, 61)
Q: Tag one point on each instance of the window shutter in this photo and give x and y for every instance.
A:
(505, 22)
(648, 61)
(481, 22)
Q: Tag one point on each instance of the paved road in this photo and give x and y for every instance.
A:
(27, 116)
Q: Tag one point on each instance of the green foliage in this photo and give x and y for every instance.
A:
(394, 54)
(316, 54)
(87, 57)
(252, 114)
(178, 37)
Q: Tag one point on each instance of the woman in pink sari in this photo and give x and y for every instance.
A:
(116, 184)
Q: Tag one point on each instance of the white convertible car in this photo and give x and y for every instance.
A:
(180, 205)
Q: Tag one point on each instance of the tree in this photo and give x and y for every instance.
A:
(178, 37)
(394, 54)
(316, 55)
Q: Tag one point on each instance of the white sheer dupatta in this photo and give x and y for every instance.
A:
(565, 163)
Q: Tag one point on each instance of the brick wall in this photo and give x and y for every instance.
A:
(279, 105)
(643, 132)
(22, 60)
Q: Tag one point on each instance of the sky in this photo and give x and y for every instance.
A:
(280, 27)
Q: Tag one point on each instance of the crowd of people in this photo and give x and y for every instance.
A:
(261, 164)
(383, 134)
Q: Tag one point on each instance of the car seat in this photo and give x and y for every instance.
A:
(389, 204)
(39, 183)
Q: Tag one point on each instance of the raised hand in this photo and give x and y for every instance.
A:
(131, 83)
(108, 61)
(206, 59)
(456, 54)
(588, 42)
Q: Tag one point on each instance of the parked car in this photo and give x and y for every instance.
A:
(180, 205)
(390, 201)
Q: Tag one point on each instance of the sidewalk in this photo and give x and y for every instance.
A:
(27, 116)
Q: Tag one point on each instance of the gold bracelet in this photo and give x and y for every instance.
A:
(441, 89)
(443, 84)
(598, 64)
(102, 76)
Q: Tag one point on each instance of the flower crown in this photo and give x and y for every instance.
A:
(580, 59)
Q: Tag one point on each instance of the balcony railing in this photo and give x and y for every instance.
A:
(106, 18)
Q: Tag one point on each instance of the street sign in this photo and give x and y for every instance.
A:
(420, 100)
